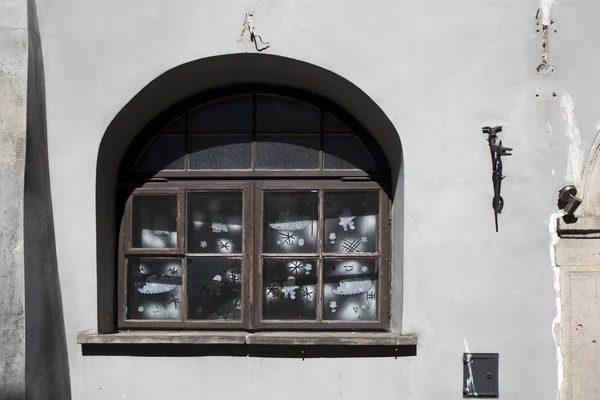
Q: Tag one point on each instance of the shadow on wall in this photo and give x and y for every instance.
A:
(46, 359)
(245, 350)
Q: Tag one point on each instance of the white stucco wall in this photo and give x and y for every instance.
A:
(440, 70)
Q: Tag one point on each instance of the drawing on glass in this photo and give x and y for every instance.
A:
(351, 221)
(214, 287)
(154, 291)
(154, 221)
(215, 222)
(290, 222)
(289, 289)
(350, 289)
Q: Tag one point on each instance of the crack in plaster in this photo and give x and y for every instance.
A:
(552, 227)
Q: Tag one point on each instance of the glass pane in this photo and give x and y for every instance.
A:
(290, 222)
(220, 152)
(282, 114)
(350, 289)
(332, 124)
(351, 222)
(163, 152)
(346, 152)
(215, 222)
(177, 125)
(289, 289)
(154, 221)
(233, 114)
(287, 152)
(214, 288)
(153, 289)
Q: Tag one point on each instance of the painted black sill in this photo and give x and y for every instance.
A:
(240, 338)
(243, 344)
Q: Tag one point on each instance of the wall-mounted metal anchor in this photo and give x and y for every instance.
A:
(249, 33)
(496, 151)
(567, 199)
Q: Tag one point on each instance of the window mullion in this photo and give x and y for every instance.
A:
(319, 300)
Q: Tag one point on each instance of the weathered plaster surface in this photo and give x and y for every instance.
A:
(13, 97)
(440, 71)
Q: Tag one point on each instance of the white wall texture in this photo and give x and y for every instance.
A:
(440, 70)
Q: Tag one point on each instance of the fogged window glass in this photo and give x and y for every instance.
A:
(214, 288)
(287, 152)
(351, 221)
(214, 222)
(154, 288)
(163, 152)
(350, 289)
(346, 152)
(289, 289)
(277, 113)
(233, 114)
(290, 222)
(154, 221)
(220, 151)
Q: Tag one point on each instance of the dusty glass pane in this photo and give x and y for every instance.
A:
(290, 222)
(163, 152)
(350, 289)
(220, 151)
(214, 288)
(289, 289)
(282, 114)
(346, 152)
(154, 288)
(154, 221)
(287, 152)
(332, 124)
(177, 125)
(351, 221)
(232, 114)
(214, 222)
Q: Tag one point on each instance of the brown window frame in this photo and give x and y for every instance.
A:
(252, 183)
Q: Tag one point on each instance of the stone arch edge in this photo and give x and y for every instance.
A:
(210, 73)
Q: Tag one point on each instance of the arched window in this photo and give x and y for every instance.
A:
(254, 208)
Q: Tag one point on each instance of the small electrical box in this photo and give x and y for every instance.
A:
(480, 375)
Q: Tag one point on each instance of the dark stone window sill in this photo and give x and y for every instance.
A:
(260, 344)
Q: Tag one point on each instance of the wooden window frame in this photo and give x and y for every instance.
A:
(252, 255)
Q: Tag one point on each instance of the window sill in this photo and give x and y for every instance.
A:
(245, 338)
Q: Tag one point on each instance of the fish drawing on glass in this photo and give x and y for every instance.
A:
(290, 222)
(347, 219)
(352, 286)
(218, 222)
(155, 284)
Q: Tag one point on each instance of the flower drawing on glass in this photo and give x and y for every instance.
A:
(272, 291)
(295, 267)
(307, 294)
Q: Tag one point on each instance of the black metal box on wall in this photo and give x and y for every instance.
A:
(480, 375)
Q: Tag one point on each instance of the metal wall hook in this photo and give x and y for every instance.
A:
(567, 199)
(496, 152)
